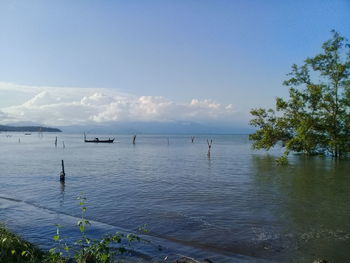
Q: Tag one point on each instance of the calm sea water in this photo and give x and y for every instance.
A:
(237, 206)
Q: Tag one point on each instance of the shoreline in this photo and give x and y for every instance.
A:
(14, 248)
(155, 250)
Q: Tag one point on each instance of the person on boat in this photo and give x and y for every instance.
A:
(96, 139)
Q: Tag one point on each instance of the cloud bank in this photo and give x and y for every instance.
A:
(61, 106)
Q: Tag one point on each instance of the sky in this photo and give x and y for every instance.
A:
(84, 61)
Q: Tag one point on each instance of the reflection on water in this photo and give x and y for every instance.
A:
(313, 206)
(62, 188)
(235, 202)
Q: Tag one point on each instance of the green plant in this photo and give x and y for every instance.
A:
(282, 160)
(84, 250)
(315, 118)
(87, 250)
(55, 254)
(15, 249)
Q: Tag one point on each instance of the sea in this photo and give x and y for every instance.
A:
(236, 205)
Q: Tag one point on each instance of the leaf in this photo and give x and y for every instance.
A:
(82, 228)
(4, 240)
(24, 253)
(143, 229)
(13, 251)
(78, 242)
(104, 257)
(56, 237)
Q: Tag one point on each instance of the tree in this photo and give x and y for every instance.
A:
(315, 119)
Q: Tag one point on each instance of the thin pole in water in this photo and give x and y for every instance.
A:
(62, 174)
(209, 147)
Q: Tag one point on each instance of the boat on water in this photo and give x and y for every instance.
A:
(97, 140)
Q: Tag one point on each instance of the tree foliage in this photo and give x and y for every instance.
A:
(315, 119)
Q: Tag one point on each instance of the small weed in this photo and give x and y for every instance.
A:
(84, 250)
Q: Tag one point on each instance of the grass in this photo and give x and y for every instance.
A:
(13, 249)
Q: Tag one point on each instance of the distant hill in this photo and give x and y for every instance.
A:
(160, 128)
(27, 129)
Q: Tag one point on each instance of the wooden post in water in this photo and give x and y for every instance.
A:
(62, 173)
(192, 139)
(209, 147)
(134, 139)
(64, 146)
(56, 142)
(168, 140)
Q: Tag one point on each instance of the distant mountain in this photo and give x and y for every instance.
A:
(24, 123)
(159, 128)
(27, 129)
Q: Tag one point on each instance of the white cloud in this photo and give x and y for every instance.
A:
(69, 106)
(3, 115)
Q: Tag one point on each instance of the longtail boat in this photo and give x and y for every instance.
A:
(97, 140)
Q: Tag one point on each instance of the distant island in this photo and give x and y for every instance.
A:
(27, 129)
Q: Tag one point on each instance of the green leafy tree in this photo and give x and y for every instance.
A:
(315, 119)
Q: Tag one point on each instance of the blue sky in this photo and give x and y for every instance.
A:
(231, 53)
